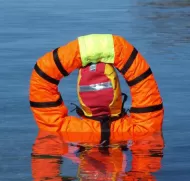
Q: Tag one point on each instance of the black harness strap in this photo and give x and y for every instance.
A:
(129, 61)
(58, 63)
(45, 76)
(146, 109)
(46, 104)
(140, 78)
(105, 132)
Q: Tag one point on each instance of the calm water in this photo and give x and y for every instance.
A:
(160, 30)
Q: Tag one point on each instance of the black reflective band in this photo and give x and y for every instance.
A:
(140, 78)
(146, 109)
(129, 61)
(46, 104)
(58, 63)
(45, 76)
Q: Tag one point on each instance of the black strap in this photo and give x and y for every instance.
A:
(123, 111)
(105, 132)
(79, 111)
(46, 104)
(139, 78)
(45, 76)
(124, 99)
(58, 63)
(146, 109)
(45, 156)
(129, 61)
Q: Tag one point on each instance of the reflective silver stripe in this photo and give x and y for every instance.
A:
(95, 87)
(93, 67)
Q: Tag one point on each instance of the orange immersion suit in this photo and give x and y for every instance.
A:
(51, 114)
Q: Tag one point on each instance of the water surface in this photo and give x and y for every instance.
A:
(160, 30)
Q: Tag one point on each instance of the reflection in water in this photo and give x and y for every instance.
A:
(96, 163)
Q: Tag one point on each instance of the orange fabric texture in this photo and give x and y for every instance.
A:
(51, 114)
